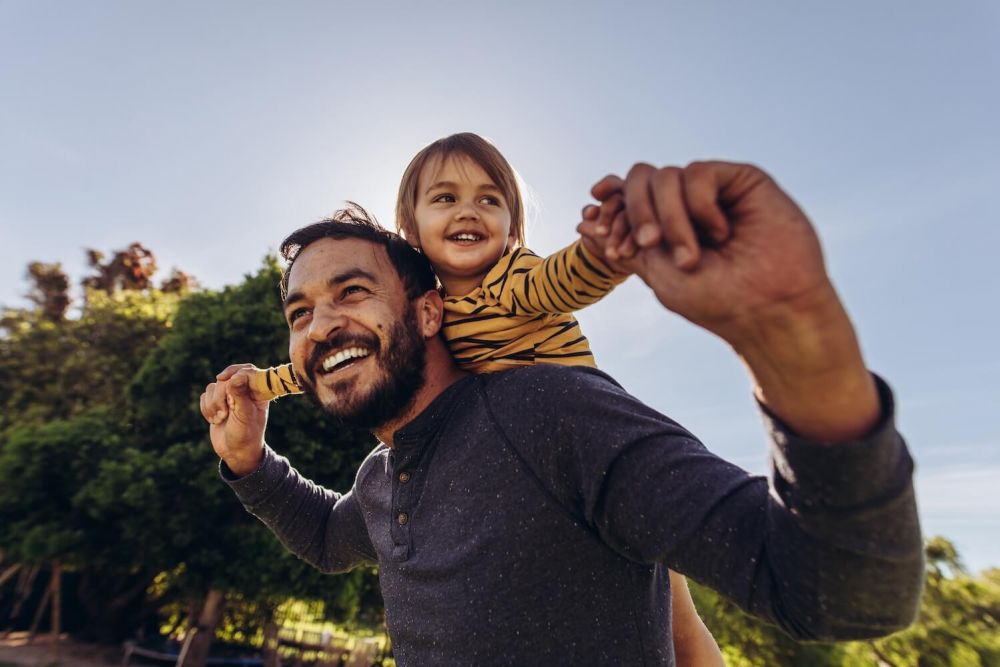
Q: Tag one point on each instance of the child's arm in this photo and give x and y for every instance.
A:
(694, 645)
(563, 282)
(267, 384)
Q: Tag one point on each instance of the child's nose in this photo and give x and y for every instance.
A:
(467, 211)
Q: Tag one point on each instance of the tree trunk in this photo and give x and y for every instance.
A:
(198, 640)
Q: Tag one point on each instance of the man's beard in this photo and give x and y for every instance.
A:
(401, 363)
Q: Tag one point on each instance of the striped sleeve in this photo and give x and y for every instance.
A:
(568, 280)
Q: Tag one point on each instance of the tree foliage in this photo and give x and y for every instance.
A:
(106, 468)
(958, 625)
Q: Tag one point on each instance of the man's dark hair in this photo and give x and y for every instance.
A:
(354, 222)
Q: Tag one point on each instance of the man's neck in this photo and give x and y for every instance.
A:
(439, 374)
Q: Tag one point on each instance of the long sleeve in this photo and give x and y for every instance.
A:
(323, 528)
(829, 549)
(563, 282)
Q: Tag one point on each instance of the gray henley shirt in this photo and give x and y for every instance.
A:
(527, 518)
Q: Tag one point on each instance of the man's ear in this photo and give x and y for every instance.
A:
(411, 237)
(430, 311)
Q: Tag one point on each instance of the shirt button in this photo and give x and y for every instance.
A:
(402, 518)
(404, 477)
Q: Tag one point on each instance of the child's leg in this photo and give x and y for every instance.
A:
(268, 384)
(694, 645)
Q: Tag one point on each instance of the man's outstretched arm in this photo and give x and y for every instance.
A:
(722, 245)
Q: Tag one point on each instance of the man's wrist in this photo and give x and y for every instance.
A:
(807, 367)
(241, 466)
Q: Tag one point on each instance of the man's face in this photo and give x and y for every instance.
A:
(353, 333)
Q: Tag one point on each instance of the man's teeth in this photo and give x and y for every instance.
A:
(350, 353)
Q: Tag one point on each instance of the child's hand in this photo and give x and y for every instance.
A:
(611, 220)
(604, 232)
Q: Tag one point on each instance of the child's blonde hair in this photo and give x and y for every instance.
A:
(480, 151)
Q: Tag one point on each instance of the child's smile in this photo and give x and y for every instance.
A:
(463, 222)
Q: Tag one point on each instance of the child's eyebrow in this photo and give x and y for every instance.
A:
(449, 185)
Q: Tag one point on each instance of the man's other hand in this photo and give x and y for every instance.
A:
(236, 420)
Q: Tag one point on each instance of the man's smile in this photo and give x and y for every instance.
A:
(338, 360)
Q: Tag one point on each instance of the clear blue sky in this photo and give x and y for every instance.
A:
(208, 130)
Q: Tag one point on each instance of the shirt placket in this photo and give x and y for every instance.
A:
(404, 495)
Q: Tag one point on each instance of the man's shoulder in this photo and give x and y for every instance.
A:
(542, 389)
(539, 376)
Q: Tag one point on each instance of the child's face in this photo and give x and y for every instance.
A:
(463, 222)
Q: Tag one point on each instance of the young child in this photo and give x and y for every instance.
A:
(460, 204)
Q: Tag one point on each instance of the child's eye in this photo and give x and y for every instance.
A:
(444, 198)
(490, 200)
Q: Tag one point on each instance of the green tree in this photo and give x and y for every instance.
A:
(959, 620)
(64, 427)
(958, 625)
(217, 544)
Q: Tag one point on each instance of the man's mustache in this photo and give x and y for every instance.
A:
(336, 342)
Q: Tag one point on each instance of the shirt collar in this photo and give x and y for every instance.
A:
(428, 422)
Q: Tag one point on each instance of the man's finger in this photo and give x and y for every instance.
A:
(701, 193)
(671, 211)
(606, 187)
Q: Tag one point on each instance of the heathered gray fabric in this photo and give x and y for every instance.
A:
(539, 499)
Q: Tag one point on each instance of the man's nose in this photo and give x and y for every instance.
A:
(326, 320)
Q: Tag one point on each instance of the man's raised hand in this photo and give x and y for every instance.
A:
(725, 247)
(720, 243)
(236, 420)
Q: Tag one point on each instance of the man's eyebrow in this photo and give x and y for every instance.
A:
(449, 185)
(333, 281)
(350, 274)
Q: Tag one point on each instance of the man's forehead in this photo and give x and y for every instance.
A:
(325, 259)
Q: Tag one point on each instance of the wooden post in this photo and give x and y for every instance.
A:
(269, 650)
(56, 609)
(38, 613)
(9, 572)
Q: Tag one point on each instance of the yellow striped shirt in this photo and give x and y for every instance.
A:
(518, 316)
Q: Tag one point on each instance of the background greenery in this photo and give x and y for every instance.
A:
(107, 476)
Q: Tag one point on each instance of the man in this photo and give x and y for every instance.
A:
(526, 517)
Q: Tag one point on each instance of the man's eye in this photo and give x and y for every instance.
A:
(354, 289)
(296, 314)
